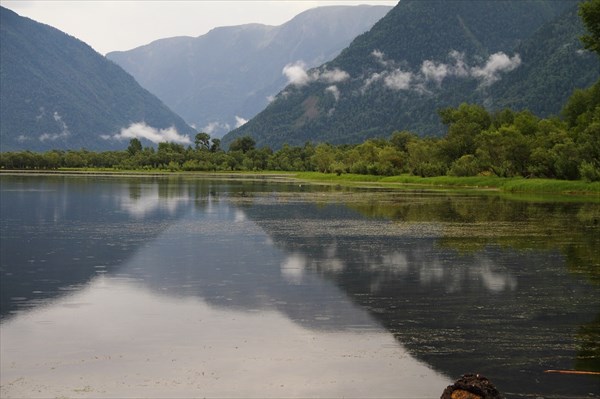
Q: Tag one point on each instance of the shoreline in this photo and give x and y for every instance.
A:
(575, 188)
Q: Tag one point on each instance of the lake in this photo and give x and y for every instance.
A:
(197, 287)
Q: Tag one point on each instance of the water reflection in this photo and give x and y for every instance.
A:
(204, 309)
(145, 199)
(129, 341)
(59, 232)
(506, 313)
(288, 263)
(228, 261)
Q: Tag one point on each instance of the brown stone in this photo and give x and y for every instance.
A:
(461, 394)
(471, 386)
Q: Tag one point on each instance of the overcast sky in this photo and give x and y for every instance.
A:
(108, 25)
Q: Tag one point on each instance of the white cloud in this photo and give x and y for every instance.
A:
(433, 71)
(212, 127)
(140, 130)
(41, 114)
(334, 76)
(437, 72)
(52, 136)
(55, 136)
(380, 57)
(239, 121)
(371, 79)
(377, 54)
(296, 73)
(398, 80)
(334, 91)
(496, 63)
(459, 68)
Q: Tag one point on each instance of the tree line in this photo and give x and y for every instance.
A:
(504, 143)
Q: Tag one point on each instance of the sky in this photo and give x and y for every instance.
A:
(111, 25)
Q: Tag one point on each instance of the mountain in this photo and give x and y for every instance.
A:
(554, 64)
(218, 80)
(425, 55)
(57, 92)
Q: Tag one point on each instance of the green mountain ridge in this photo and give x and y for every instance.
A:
(426, 55)
(554, 64)
(57, 92)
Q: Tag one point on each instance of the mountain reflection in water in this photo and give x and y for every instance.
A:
(211, 266)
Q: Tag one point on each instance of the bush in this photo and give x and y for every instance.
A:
(430, 169)
(589, 171)
(173, 166)
(464, 166)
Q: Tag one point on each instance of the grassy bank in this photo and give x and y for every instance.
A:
(510, 185)
(513, 185)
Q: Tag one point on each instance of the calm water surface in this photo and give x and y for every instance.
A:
(172, 287)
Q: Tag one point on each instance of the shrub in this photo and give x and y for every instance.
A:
(589, 171)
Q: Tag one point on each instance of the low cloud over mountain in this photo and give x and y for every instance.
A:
(427, 55)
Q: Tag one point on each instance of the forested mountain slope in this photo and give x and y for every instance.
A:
(218, 80)
(425, 55)
(57, 92)
(554, 63)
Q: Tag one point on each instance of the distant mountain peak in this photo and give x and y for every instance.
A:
(232, 72)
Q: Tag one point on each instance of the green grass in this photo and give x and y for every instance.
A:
(512, 185)
(508, 185)
(552, 186)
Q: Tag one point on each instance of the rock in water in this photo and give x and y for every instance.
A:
(471, 386)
